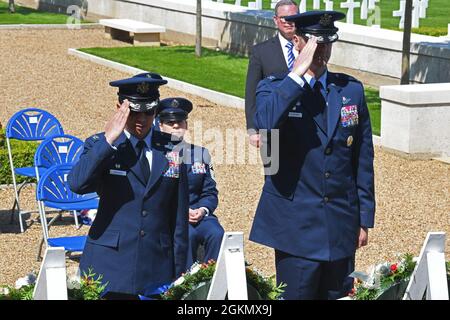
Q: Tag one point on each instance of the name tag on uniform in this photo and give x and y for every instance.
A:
(295, 115)
(117, 172)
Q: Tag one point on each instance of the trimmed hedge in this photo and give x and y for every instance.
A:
(23, 156)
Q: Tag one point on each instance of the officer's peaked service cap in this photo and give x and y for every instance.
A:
(318, 23)
(141, 91)
(174, 109)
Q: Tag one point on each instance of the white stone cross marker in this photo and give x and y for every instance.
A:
(237, 3)
(429, 274)
(51, 283)
(328, 4)
(400, 13)
(273, 4)
(372, 4)
(364, 9)
(316, 5)
(230, 270)
(302, 6)
(415, 14)
(350, 5)
(255, 5)
(366, 6)
(374, 20)
(419, 8)
(423, 8)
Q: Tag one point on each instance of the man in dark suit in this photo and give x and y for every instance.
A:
(273, 56)
(315, 210)
(138, 240)
(204, 226)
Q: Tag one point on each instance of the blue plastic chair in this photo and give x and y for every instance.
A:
(60, 149)
(53, 191)
(28, 125)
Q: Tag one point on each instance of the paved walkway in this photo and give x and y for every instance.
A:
(412, 196)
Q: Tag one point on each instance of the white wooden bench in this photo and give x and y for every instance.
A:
(140, 33)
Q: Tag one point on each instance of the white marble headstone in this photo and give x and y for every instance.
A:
(350, 5)
(302, 6)
(418, 11)
(316, 5)
(400, 13)
(423, 9)
(372, 4)
(328, 4)
(364, 9)
(273, 4)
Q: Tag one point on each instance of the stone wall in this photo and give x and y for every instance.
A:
(236, 29)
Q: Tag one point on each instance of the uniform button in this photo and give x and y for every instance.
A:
(326, 199)
(327, 174)
(142, 233)
(328, 151)
(144, 213)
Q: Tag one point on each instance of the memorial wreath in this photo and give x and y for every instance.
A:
(86, 287)
(386, 281)
(195, 283)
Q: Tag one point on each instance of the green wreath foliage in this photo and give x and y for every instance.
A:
(200, 274)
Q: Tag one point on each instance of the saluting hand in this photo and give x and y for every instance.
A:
(305, 58)
(116, 124)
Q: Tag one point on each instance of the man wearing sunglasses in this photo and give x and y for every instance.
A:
(273, 56)
(204, 226)
(138, 241)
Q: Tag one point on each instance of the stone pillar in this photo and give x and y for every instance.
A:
(415, 119)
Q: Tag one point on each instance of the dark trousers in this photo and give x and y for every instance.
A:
(313, 280)
(209, 233)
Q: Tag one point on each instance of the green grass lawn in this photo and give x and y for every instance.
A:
(214, 70)
(24, 15)
(438, 14)
(374, 105)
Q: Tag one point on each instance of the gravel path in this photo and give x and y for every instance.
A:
(412, 196)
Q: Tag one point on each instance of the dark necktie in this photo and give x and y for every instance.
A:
(320, 103)
(143, 161)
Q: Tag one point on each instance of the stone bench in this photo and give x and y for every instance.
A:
(140, 33)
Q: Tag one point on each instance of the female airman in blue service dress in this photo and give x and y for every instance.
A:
(204, 226)
(315, 210)
(140, 234)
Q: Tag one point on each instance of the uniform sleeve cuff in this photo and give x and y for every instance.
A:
(206, 210)
(297, 79)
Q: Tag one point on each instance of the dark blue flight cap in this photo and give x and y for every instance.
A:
(317, 23)
(141, 91)
(174, 109)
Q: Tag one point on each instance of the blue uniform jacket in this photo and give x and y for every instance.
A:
(202, 186)
(139, 238)
(323, 191)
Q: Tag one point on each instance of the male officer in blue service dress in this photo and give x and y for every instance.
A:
(139, 238)
(316, 209)
(204, 227)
